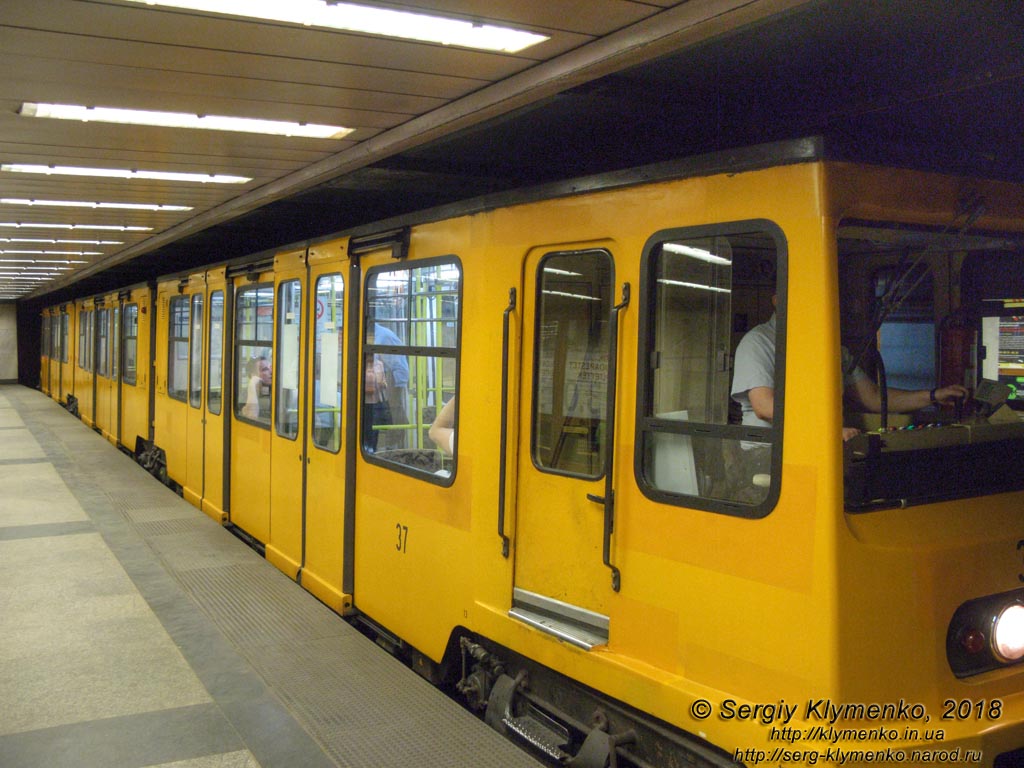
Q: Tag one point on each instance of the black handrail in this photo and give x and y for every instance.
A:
(608, 500)
(503, 439)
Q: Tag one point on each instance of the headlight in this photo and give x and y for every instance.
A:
(1008, 634)
(986, 634)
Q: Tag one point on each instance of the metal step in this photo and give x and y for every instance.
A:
(578, 626)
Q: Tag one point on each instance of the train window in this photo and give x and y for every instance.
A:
(703, 290)
(115, 341)
(45, 336)
(254, 337)
(64, 324)
(327, 363)
(82, 346)
(195, 364)
(131, 342)
(411, 346)
(102, 350)
(289, 324)
(177, 349)
(571, 362)
(216, 346)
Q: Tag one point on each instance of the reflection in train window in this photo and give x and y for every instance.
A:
(216, 346)
(704, 291)
(131, 342)
(571, 362)
(289, 325)
(412, 321)
(254, 335)
(177, 349)
(195, 379)
(327, 362)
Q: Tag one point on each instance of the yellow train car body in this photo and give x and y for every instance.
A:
(600, 515)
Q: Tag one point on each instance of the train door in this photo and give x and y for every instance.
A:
(287, 448)
(324, 530)
(213, 441)
(86, 360)
(195, 413)
(103, 416)
(171, 377)
(134, 380)
(562, 583)
(68, 337)
(252, 379)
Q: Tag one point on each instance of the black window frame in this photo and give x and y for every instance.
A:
(649, 424)
(173, 341)
(452, 353)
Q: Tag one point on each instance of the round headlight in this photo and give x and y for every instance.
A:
(1008, 633)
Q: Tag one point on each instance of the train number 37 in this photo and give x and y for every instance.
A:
(403, 537)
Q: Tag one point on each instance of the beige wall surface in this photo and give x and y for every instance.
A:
(8, 343)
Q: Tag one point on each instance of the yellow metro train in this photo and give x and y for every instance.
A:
(601, 556)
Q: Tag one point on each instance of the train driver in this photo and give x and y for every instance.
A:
(754, 389)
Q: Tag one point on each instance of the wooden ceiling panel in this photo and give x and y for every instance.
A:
(294, 70)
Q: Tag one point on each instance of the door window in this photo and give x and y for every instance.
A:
(177, 349)
(216, 347)
(195, 366)
(571, 362)
(254, 336)
(289, 324)
(327, 362)
(131, 342)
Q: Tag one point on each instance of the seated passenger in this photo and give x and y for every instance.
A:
(442, 431)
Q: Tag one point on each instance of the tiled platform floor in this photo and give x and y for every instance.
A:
(135, 632)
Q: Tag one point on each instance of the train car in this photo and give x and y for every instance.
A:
(506, 438)
(671, 561)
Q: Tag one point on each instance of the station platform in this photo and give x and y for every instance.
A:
(137, 632)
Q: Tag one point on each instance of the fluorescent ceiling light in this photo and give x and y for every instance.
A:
(50, 253)
(571, 295)
(40, 241)
(183, 120)
(87, 204)
(122, 173)
(696, 253)
(350, 17)
(701, 286)
(104, 227)
(41, 261)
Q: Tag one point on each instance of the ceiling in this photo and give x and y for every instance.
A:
(618, 83)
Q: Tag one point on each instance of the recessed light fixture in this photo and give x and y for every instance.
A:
(42, 241)
(95, 205)
(49, 253)
(351, 17)
(98, 227)
(122, 173)
(182, 120)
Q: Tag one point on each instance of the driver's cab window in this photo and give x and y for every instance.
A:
(711, 373)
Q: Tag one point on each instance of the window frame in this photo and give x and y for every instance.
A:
(646, 425)
(131, 310)
(409, 350)
(173, 341)
(338, 435)
(237, 344)
(281, 311)
(535, 363)
(215, 406)
(196, 325)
